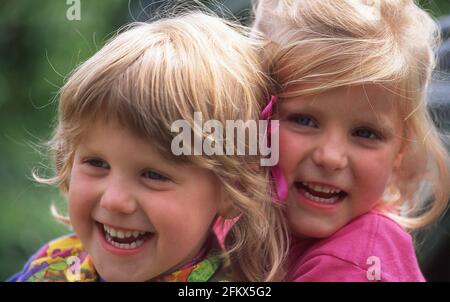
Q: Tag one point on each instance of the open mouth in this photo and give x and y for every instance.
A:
(323, 194)
(124, 239)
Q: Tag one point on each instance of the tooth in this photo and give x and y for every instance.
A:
(316, 188)
(133, 245)
(142, 233)
(136, 233)
(308, 195)
(120, 234)
(128, 234)
(321, 200)
(112, 232)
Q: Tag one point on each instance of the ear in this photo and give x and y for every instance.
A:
(226, 208)
(396, 172)
(399, 157)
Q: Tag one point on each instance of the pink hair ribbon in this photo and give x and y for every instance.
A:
(281, 186)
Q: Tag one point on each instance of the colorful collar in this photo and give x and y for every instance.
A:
(64, 259)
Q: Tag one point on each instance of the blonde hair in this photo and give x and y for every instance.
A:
(321, 45)
(153, 74)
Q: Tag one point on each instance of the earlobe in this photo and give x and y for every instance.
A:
(392, 191)
(398, 161)
(226, 209)
(399, 157)
(230, 213)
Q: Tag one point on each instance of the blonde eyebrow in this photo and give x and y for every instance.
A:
(161, 165)
(384, 124)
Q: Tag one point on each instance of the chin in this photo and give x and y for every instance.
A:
(312, 230)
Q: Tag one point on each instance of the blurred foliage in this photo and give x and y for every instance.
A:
(39, 46)
(436, 7)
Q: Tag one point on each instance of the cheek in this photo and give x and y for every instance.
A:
(179, 214)
(200, 208)
(81, 197)
(181, 222)
(293, 150)
(373, 175)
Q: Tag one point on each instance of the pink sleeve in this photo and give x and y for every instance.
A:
(328, 268)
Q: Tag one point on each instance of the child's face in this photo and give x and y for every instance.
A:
(120, 181)
(338, 152)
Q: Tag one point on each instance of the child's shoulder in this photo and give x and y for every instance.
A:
(62, 259)
(370, 234)
(367, 231)
(368, 241)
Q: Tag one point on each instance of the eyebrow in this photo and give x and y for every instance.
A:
(161, 164)
(382, 123)
(85, 147)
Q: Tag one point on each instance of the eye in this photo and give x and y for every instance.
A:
(304, 120)
(154, 176)
(368, 134)
(97, 163)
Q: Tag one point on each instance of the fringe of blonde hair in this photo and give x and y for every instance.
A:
(321, 45)
(152, 74)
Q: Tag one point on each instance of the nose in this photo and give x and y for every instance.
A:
(331, 154)
(117, 197)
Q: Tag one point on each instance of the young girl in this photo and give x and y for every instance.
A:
(360, 158)
(138, 211)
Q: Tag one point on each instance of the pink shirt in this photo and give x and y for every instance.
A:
(370, 248)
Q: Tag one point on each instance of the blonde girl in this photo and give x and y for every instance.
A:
(139, 212)
(361, 159)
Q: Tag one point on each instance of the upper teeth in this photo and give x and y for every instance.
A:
(321, 188)
(121, 233)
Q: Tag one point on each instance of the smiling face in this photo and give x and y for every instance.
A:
(137, 214)
(338, 153)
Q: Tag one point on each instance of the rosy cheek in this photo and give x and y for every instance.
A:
(372, 185)
(291, 150)
(82, 191)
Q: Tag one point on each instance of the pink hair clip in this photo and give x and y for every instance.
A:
(267, 111)
(281, 187)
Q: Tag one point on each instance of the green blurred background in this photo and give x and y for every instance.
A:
(39, 46)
